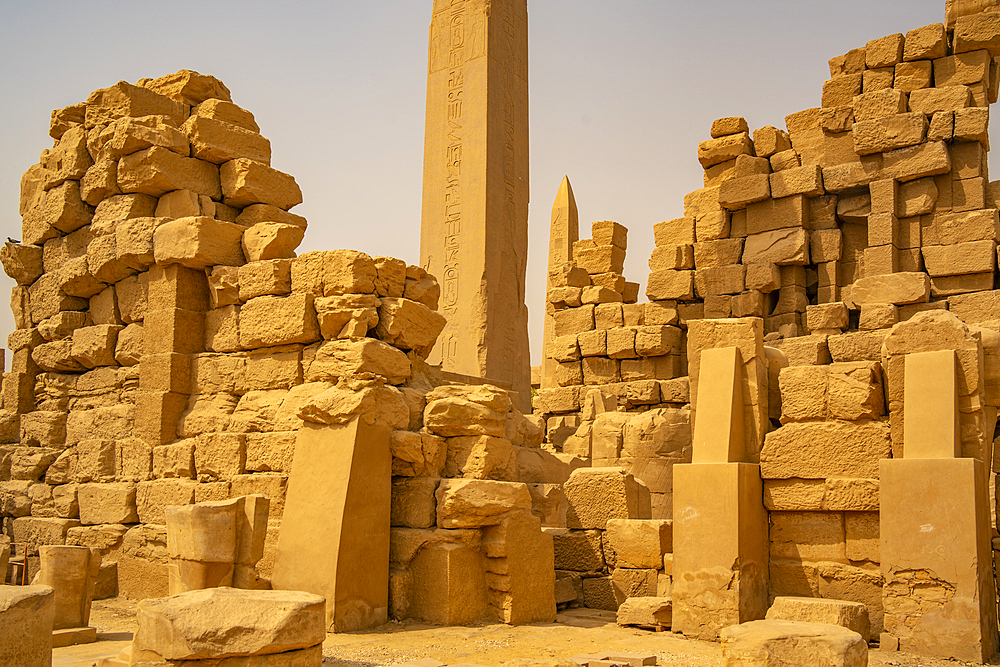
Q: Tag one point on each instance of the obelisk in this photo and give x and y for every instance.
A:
(563, 233)
(474, 223)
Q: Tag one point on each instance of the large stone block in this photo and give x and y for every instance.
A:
(246, 182)
(596, 495)
(26, 620)
(772, 643)
(640, 543)
(225, 622)
(268, 321)
(331, 462)
(817, 450)
(198, 242)
(468, 503)
(157, 171)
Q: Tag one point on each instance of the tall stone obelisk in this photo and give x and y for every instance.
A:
(563, 233)
(474, 224)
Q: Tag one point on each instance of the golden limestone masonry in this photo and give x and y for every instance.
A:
(787, 448)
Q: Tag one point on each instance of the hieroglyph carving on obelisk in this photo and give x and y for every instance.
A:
(474, 225)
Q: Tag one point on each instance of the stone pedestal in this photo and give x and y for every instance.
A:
(334, 538)
(720, 548)
(939, 593)
(71, 572)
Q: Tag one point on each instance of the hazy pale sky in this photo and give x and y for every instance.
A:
(620, 95)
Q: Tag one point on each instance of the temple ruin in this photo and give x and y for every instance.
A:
(788, 447)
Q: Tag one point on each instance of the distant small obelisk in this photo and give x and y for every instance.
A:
(565, 231)
(474, 223)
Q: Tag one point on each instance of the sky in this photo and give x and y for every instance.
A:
(620, 95)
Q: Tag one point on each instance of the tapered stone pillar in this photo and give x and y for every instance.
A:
(72, 573)
(474, 224)
(939, 594)
(720, 524)
(334, 538)
(563, 233)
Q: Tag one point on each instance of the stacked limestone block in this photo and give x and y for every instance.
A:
(611, 551)
(620, 399)
(880, 197)
(170, 345)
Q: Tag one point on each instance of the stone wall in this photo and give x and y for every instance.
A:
(836, 231)
(170, 344)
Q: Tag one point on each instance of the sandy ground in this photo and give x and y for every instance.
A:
(574, 632)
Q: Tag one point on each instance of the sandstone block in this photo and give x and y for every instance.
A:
(825, 449)
(198, 243)
(840, 91)
(640, 543)
(246, 182)
(782, 247)
(346, 358)
(271, 240)
(897, 288)
(268, 321)
(157, 171)
(409, 325)
(960, 258)
(466, 503)
(217, 141)
(773, 642)
(26, 613)
(188, 625)
(978, 31)
(723, 149)
(596, 495)
(890, 133)
(107, 503)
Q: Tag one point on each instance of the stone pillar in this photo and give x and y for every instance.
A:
(474, 224)
(720, 524)
(71, 572)
(334, 538)
(563, 233)
(939, 594)
(26, 614)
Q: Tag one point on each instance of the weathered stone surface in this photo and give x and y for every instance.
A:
(596, 495)
(198, 242)
(224, 622)
(457, 411)
(271, 240)
(344, 358)
(26, 619)
(469, 503)
(646, 611)
(409, 325)
(817, 450)
(766, 643)
(640, 543)
(246, 182)
(157, 171)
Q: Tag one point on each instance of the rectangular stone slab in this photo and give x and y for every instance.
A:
(334, 538)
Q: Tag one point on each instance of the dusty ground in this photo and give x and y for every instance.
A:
(575, 631)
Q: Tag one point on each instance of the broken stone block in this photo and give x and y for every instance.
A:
(254, 623)
(271, 240)
(336, 359)
(770, 642)
(347, 316)
(246, 182)
(640, 543)
(21, 262)
(596, 495)
(458, 411)
(468, 503)
(806, 450)
(409, 325)
(217, 141)
(95, 346)
(646, 612)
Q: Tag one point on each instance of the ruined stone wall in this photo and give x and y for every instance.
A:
(858, 216)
